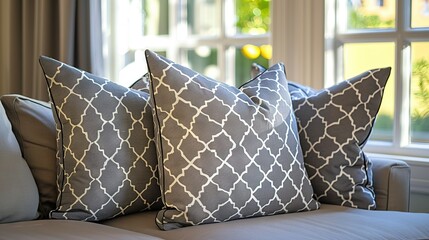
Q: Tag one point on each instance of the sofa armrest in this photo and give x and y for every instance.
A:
(391, 184)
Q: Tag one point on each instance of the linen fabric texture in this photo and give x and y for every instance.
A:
(225, 153)
(105, 146)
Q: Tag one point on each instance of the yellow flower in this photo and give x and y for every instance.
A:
(251, 51)
(267, 51)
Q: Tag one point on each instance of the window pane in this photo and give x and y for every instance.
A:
(204, 60)
(420, 13)
(155, 17)
(245, 56)
(368, 14)
(419, 98)
(203, 17)
(360, 57)
(253, 16)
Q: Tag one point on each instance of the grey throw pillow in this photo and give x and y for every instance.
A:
(334, 125)
(105, 145)
(19, 198)
(34, 127)
(225, 153)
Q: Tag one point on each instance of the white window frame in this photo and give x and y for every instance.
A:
(176, 41)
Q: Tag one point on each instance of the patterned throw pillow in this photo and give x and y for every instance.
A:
(225, 153)
(334, 125)
(339, 170)
(106, 149)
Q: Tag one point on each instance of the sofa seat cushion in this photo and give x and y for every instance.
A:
(66, 229)
(330, 222)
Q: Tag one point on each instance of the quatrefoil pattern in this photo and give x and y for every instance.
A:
(334, 125)
(105, 146)
(225, 153)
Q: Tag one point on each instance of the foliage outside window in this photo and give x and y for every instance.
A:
(253, 16)
(420, 100)
(364, 17)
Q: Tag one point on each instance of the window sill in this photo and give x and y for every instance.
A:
(411, 152)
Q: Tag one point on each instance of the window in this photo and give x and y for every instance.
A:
(219, 38)
(359, 35)
(370, 34)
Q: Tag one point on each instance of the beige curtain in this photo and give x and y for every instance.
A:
(67, 30)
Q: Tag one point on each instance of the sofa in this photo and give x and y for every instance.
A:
(391, 220)
(47, 193)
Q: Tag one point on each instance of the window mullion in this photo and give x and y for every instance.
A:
(368, 36)
(174, 13)
(221, 49)
(330, 46)
(402, 55)
(227, 55)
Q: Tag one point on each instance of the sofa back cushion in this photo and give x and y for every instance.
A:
(34, 127)
(19, 198)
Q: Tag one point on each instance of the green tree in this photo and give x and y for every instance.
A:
(357, 20)
(420, 116)
(253, 16)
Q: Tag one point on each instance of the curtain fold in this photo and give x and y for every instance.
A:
(67, 30)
